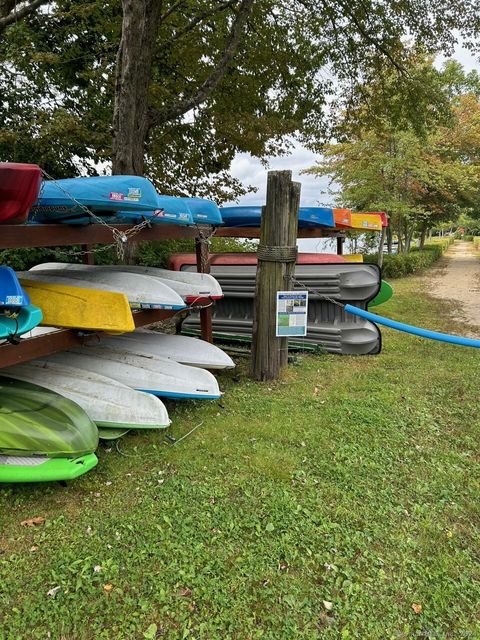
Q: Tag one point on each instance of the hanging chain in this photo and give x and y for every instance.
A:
(120, 238)
(317, 292)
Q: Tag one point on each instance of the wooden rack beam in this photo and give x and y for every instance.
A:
(62, 235)
(48, 343)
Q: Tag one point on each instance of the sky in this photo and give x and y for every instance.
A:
(250, 171)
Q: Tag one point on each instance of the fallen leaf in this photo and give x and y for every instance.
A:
(97, 568)
(107, 587)
(417, 608)
(32, 522)
(328, 605)
(33, 549)
(151, 632)
(53, 592)
(449, 534)
(184, 593)
(283, 565)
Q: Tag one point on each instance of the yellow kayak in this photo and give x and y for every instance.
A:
(366, 221)
(77, 308)
(354, 257)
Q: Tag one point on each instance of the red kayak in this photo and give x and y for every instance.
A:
(19, 189)
(179, 260)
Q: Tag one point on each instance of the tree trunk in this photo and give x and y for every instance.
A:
(132, 82)
(389, 239)
(380, 247)
(423, 237)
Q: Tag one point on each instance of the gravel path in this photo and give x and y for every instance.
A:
(457, 278)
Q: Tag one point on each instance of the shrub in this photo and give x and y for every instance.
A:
(476, 243)
(399, 265)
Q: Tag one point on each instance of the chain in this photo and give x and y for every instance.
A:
(120, 238)
(320, 295)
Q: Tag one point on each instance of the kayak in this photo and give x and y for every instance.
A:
(366, 221)
(78, 308)
(19, 188)
(181, 261)
(169, 210)
(142, 291)
(308, 217)
(108, 403)
(191, 287)
(190, 351)
(73, 199)
(12, 296)
(16, 322)
(37, 422)
(16, 469)
(385, 293)
(158, 376)
(204, 211)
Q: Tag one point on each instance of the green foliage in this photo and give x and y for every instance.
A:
(476, 243)
(150, 254)
(420, 172)
(57, 70)
(308, 509)
(399, 265)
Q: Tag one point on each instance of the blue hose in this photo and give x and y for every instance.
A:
(416, 331)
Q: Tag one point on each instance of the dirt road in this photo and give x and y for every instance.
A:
(457, 278)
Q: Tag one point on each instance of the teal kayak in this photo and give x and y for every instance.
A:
(16, 322)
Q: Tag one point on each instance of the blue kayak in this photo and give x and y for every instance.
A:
(12, 295)
(169, 209)
(204, 211)
(64, 200)
(308, 217)
(16, 322)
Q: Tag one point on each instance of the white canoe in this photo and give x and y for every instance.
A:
(142, 292)
(107, 402)
(191, 351)
(159, 376)
(191, 286)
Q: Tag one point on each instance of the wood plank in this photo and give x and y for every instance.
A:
(45, 345)
(61, 235)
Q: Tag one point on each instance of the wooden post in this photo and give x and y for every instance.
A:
(88, 258)
(340, 241)
(203, 266)
(276, 264)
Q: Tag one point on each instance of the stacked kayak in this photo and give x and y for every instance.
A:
(74, 307)
(17, 314)
(308, 217)
(141, 291)
(328, 325)
(108, 403)
(43, 436)
(142, 371)
(19, 188)
(190, 287)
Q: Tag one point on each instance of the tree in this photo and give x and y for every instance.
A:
(421, 171)
(12, 12)
(213, 79)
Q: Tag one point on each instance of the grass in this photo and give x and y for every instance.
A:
(341, 502)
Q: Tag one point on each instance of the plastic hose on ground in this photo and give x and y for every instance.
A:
(416, 331)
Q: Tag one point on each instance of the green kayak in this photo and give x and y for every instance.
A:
(18, 322)
(35, 422)
(385, 293)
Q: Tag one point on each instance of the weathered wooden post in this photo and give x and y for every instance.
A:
(203, 266)
(277, 254)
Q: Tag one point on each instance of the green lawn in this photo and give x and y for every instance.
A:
(323, 506)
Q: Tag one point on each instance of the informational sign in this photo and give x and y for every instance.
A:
(292, 313)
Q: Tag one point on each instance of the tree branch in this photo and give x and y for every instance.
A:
(17, 15)
(198, 19)
(157, 116)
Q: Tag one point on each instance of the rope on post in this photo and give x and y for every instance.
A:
(277, 254)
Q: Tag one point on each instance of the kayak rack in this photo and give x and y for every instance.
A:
(61, 235)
